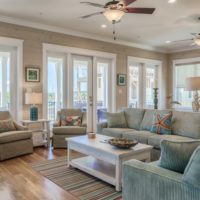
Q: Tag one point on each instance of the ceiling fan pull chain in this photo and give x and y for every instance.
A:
(114, 32)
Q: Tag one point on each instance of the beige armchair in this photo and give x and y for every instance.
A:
(16, 142)
(62, 132)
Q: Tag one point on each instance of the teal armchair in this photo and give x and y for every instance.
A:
(147, 181)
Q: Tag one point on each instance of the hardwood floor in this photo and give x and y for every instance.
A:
(19, 182)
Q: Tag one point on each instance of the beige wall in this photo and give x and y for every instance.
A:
(176, 56)
(32, 54)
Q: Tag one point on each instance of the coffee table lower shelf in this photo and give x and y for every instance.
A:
(97, 168)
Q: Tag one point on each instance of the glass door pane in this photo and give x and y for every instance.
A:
(55, 86)
(80, 84)
(133, 100)
(150, 77)
(102, 90)
(5, 80)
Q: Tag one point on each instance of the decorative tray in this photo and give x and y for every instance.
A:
(122, 143)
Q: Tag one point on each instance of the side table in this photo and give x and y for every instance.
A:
(44, 131)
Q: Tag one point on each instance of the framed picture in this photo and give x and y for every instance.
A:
(32, 74)
(121, 79)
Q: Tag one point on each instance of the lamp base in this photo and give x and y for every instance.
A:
(33, 113)
(195, 103)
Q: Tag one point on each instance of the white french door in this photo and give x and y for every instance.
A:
(81, 82)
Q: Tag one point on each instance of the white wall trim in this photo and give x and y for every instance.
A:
(143, 60)
(67, 31)
(18, 44)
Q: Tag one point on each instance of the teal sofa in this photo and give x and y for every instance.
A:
(147, 181)
(185, 125)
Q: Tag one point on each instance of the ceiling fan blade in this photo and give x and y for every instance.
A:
(128, 2)
(176, 41)
(140, 10)
(93, 4)
(91, 15)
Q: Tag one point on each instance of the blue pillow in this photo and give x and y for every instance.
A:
(176, 155)
(162, 124)
(192, 173)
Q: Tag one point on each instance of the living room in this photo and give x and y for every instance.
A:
(99, 100)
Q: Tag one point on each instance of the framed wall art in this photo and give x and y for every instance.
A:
(32, 74)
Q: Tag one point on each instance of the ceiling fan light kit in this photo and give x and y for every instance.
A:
(197, 41)
(113, 15)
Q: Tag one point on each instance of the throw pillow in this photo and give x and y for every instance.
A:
(176, 155)
(70, 121)
(116, 120)
(7, 125)
(192, 172)
(162, 124)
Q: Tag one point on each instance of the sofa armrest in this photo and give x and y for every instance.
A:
(146, 181)
(20, 127)
(100, 126)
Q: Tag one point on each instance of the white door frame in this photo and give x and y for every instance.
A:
(69, 51)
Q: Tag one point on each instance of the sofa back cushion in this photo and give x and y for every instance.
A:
(186, 124)
(192, 172)
(116, 120)
(7, 125)
(176, 155)
(148, 118)
(134, 117)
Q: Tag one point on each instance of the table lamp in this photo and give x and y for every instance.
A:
(33, 99)
(193, 84)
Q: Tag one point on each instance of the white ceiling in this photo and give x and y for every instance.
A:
(169, 22)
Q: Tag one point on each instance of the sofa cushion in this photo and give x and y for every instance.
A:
(186, 124)
(116, 120)
(7, 125)
(134, 117)
(148, 118)
(115, 132)
(140, 136)
(192, 172)
(70, 121)
(13, 136)
(162, 124)
(69, 130)
(155, 139)
(176, 155)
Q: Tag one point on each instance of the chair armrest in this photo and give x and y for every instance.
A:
(56, 124)
(100, 126)
(147, 181)
(20, 127)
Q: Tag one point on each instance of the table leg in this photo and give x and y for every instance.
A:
(48, 134)
(68, 155)
(118, 175)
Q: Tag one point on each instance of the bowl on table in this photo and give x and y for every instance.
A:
(122, 143)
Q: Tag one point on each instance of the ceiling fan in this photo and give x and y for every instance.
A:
(195, 39)
(115, 10)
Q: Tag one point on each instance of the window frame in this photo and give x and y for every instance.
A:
(142, 63)
(178, 62)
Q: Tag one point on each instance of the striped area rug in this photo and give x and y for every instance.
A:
(78, 183)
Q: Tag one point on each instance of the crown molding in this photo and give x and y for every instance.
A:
(57, 29)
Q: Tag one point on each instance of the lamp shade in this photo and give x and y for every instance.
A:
(113, 14)
(33, 98)
(193, 83)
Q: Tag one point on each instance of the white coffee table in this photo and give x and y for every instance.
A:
(103, 160)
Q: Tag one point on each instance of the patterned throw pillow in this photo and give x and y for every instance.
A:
(162, 124)
(70, 121)
(7, 125)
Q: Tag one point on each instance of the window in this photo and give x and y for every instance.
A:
(182, 72)
(4, 81)
(141, 81)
